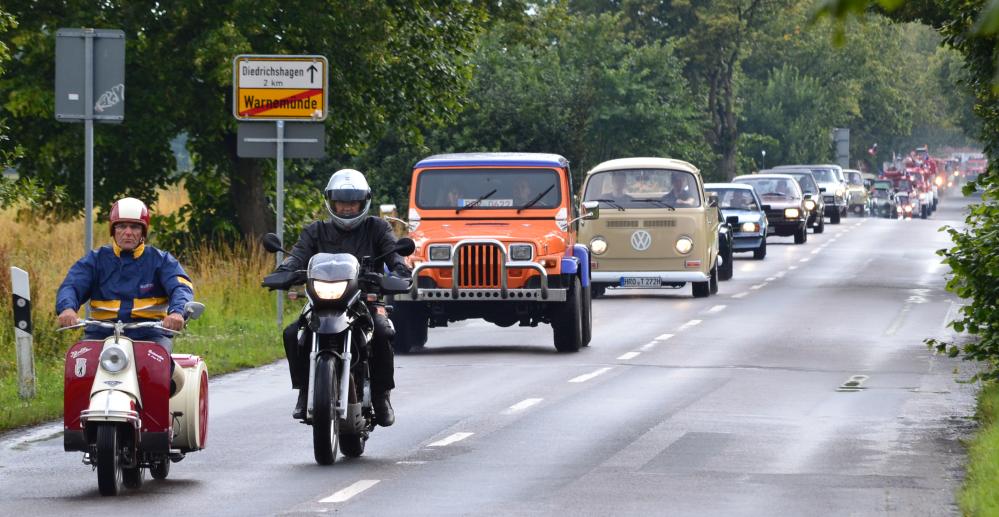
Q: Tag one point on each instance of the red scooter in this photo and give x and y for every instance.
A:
(126, 412)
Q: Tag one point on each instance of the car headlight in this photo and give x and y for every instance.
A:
(598, 245)
(792, 213)
(114, 358)
(922, 196)
(938, 180)
(684, 245)
(440, 252)
(329, 290)
(840, 192)
(809, 204)
(908, 208)
(521, 251)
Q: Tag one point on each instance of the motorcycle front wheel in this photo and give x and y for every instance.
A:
(109, 471)
(325, 424)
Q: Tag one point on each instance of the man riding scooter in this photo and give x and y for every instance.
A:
(349, 230)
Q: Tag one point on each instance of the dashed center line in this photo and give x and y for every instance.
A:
(629, 355)
(716, 309)
(771, 278)
(689, 324)
(806, 259)
(792, 268)
(350, 491)
(781, 274)
(740, 295)
(588, 376)
(815, 252)
(456, 437)
(663, 337)
(648, 346)
(758, 286)
(522, 405)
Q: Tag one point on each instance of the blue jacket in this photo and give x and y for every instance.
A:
(144, 285)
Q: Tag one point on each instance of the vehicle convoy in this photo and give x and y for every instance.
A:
(883, 202)
(832, 188)
(909, 197)
(657, 228)
(784, 204)
(495, 238)
(126, 410)
(856, 193)
(749, 226)
(341, 294)
(815, 204)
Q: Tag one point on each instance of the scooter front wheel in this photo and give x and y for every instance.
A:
(325, 424)
(109, 471)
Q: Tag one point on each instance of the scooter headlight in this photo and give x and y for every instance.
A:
(598, 246)
(114, 359)
(329, 290)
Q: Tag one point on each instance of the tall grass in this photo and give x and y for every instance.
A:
(238, 329)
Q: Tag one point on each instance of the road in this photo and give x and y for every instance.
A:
(802, 388)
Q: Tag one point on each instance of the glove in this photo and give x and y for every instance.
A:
(402, 270)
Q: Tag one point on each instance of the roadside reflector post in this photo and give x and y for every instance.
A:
(22, 333)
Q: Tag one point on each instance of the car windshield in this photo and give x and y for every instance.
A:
(882, 185)
(904, 185)
(644, 188)
(806, 182)
(824, 175)
(777, 188)
(855, 178)
(735, 199)
(488, 189)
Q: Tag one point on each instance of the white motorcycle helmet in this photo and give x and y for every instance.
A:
(347, 185)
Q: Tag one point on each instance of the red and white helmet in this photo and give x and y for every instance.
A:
(130, 210)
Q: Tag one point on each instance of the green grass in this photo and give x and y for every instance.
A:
(979, 496)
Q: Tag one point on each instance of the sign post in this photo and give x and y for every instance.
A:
(280, 89)
(26, 381)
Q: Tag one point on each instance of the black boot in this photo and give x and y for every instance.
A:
(384, 416)
(303, 400)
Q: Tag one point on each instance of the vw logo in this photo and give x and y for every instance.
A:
(641, 240)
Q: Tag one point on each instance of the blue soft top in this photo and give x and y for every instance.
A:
(493, 159)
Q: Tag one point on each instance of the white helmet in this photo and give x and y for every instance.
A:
(348, 185)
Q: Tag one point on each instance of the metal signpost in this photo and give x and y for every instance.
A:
(22, 333)
(90, 63)
(841, 136)
(280, 89)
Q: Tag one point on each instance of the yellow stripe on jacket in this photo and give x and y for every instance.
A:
(185, 282)
(150, 308)
(105, 309)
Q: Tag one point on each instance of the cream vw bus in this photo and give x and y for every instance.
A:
(657, 228)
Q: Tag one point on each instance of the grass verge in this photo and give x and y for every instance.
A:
(979, 495)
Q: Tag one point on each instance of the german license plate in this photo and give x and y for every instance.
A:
(641, 282)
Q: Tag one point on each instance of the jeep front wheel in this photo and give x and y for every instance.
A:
(567, 321)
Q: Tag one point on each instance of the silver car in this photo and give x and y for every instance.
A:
(742, 208)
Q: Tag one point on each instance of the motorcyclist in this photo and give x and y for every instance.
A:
(349, 230)
(127, 280)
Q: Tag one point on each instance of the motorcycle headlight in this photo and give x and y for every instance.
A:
(684, 245)
(938, 181)
(809, 204)
(521, 251)
(329, 290)
(598, 246)
(440, 252)
(750, 227)
(792, 213)
(114, 359)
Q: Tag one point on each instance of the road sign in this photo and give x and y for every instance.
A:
(300, 140)
(106, 74)
(279, 87)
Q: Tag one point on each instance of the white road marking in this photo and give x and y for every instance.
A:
(771, 278)
(663, 337)
(410, 462)
(792, 268)
(689, 324)
(716, 309)
(522, 405)
(740, 295)
(350, 491)
(815, 252)
(629, 355)
(648, 346)
(757, 286)
(806, 259)
(456, 437)
(588, 376)
(781, 274)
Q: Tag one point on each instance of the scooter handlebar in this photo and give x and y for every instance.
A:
(111, 325)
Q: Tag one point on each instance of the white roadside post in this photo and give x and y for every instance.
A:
(22, 333)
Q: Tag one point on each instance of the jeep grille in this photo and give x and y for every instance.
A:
(479, 266)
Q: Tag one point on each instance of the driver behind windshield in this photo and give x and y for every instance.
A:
(680, 193)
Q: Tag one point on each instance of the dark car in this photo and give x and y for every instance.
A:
(784, 204)
(813, 196)
(743, 211)
(883, 202)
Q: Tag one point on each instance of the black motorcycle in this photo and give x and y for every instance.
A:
(341, 294)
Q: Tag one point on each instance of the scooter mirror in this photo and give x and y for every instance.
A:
(271, 243)
(193, 310)
(405, 246)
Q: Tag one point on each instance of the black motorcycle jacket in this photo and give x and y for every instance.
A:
(372, 238)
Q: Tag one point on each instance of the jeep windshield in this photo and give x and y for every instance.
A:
(488, 189)
(643, 188)
(735, 199)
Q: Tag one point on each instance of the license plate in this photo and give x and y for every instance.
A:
(641, 282)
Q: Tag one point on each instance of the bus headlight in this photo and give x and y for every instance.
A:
(598, 245)
(684, 245)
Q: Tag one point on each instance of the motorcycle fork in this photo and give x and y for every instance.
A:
(313, 355)
(342, 400)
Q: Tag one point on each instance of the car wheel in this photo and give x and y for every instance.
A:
(701, 289)
(801, 235)
(821, 227)
(728, 267)
(761, 252)
(834, 218)
(713, 282)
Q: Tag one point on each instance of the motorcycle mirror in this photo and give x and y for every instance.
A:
(405, 246)
(271, 243)
(193, 310)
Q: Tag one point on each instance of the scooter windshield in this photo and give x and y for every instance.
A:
(331, 267)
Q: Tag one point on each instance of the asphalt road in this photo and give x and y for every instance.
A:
(730, 405)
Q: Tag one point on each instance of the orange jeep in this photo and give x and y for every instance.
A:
(495, 239)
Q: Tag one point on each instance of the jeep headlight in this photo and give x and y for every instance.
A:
(329, 290)
(440, 252)
(114, 358)
(792, 213)
(809, 204)
(598, 245)
(750, 227)
(521, 251)
(684, 245)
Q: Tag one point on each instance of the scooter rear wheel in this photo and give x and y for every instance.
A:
(160, 469)
(109, 471)
(325, 424)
